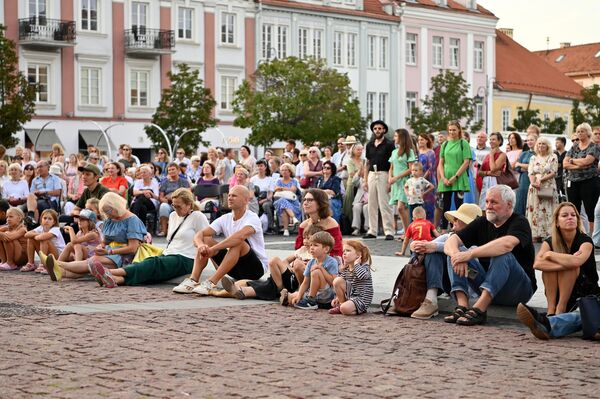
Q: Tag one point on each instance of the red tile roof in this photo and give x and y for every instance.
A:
(372, 8)
(580, 59)
(452, 6)
(518, 69)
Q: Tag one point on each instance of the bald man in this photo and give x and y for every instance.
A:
(241, 255)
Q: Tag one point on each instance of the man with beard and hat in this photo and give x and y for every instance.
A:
(377, 167)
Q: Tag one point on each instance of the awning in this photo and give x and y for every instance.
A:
(45, 140)
(97, 139)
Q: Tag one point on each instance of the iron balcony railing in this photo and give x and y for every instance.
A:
(47, 30)
(144, 39)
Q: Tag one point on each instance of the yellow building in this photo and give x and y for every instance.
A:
(525, 80)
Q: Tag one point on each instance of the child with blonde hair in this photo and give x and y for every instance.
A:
(81, 245)
(420, 229)
(13, 243)
(354, 285)
(46, 239)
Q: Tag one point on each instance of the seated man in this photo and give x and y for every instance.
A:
(45, 191)
(241, 254)
(547, 327)
(499, 268)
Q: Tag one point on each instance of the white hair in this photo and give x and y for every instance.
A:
(585, 126)
(506, 193)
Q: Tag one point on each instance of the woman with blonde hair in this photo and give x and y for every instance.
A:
(566, 260)
(58, 154)
(542, 196)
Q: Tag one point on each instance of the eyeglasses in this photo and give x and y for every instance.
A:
(311, 151)
(303, 155)
(326, 167)
(308, 200)
(574, 140)
(180, 153)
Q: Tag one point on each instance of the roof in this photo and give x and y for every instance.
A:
(452, 6)
(519, 70)
(371, 8)
(579, 59)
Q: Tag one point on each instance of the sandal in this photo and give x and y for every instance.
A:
(29, 267)
(472, 317)
(401, 238)
(459, 312)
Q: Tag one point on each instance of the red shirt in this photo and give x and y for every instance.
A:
(120, 181)
(419, 230)
(335, 232)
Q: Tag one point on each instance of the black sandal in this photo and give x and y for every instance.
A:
(473, 317)
(459, 312)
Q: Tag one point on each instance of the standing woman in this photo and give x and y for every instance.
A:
(354, 165)
(400, 162)
(582, 163)
(455, 157)
(540, 208)
(493, 164)
(248, 160)
(516, 148)
(426, 156)
(522, 166)
(114, 179)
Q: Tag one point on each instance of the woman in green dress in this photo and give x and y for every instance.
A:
(400, 162)
(455, 157)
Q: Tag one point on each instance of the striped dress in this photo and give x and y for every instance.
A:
(359, 286)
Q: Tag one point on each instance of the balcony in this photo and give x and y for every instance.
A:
(143, 42)
(46, 33)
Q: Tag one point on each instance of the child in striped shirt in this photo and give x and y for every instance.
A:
(354, 285)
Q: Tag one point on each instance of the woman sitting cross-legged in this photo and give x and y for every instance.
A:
(123, 233)
(178, 257)
(567, 261)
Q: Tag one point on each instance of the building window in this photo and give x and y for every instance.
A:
(139, 88)
(546, 116)
(89, 15)
(139, 16)
(479, 112)
(411, 102)
(184, 23)
(337, 47)
(318, 43)
(351, 42)
(302, 43)
(383, 52)
(566, 119)
(370, 104)
(438, 52)
(505, 119)
(37, 74)
(38, 10)
(371, 49)
(383, 106)
(282, 41)
(478, 56)
(90, 86)
(267, 41)
(411, 48)
(228, 86)
(227, 28)
(454, 53)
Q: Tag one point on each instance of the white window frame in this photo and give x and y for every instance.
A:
(303, 38)
(37, 66)
(134, 21)
(478, 112)
(370, 104)
(411, 102)
(228, 31)
(338, 44)
(371, 50)
(478, 50)
(437, 52)
(228, 88)
(282, 41)
(454, 52)
(182, 23)
(317, 43)
(383, 52)
(36, 13)
(89, 19)
(86, 100)
(138, 102)
(411, 48)
(383, 102)
(267, 40)
(351, 40)
(505, 119)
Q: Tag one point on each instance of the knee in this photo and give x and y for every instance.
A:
(338, 282)
(348, 308)
(273, 262)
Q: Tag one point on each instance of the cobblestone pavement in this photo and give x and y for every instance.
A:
(267, 351)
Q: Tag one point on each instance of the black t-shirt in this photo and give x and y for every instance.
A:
(380, 155)
(587, 281)
(479, 232)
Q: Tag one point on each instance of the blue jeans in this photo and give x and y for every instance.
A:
(435, 264)
(564, 324)
(505, 280)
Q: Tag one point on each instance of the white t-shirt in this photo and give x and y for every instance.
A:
(265, 184)
(226, 225)
(18, 189)
(182, 244)
(58, 241)
(139, 185)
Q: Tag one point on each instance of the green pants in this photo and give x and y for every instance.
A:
(157, 269)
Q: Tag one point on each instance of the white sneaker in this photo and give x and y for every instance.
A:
(186, 286)
(204, 288)
(286, 233)
(294, 221)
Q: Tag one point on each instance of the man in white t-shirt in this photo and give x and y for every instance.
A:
(241, 254)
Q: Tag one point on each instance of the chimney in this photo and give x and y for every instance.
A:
(507, 31)
(565, 44)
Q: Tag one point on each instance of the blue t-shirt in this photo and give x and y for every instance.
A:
(329, 264)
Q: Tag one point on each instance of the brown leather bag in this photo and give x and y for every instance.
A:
(409, 289)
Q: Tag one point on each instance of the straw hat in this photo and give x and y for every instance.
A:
(466, 213)
(350, 140)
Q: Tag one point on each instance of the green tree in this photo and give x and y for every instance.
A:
(555, 126)
(525, 118)
(185, 105)
(297, 99)
(17, 96)
(588, 108)
(448, 101)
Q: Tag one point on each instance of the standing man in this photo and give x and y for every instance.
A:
(481, 150)
(377, 168)
(560, 152)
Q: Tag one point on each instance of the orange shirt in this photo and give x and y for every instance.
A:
(108, 182)
(419, 230)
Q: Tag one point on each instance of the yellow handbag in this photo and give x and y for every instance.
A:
(146, 251)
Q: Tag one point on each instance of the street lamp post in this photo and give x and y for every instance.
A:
(39, 134)
(160, 129)
(178, 138)
(106, 130)
(105, 136)
(480, 98)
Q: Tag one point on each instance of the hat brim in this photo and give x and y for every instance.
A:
(451, 215)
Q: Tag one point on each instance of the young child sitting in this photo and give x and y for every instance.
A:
(354, 286)
(419, 230)
(46, 238)
(81, 245)
(318, 275)
(13, 243)
(416, 187)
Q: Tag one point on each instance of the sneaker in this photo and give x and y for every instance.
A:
(229, 285)
(389, 237)
(426, 311)
(537, 323)
(286, 233)
(283, 297)
(307, 304)
(43, 257)
(51, 265)
(369, 236)
(186, 286)
(204, 288)
(101, 274)
(335, 310)
(356, 232)
(5, 266)
(294, 221)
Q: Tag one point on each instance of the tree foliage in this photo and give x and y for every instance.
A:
(447, 101)
(17, 96)
(588, 108)
(297, 99)
(185, 105)
(527, 117)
